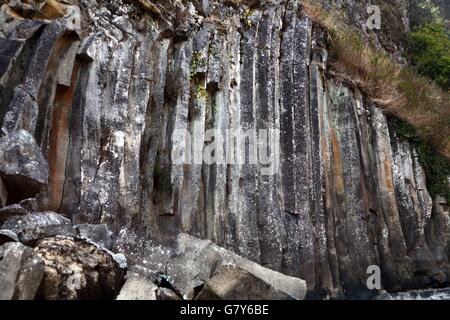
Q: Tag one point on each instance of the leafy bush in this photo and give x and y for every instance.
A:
(431, 52)
(437, 167)
(398, 89)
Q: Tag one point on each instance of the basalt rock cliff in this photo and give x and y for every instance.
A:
(92, 92)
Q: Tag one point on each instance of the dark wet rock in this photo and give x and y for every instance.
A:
(21, 272)
(10, 211)
(8, 236)
(76, 269)
(23, 168)
(98, 233)
(34, 226)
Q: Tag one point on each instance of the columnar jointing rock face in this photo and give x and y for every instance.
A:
(346, 192)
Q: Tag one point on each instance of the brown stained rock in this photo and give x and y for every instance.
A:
(76, 269)
(21, 271)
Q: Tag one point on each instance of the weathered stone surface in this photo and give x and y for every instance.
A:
(10, 211)
(34, 226)
(21, 272)
(76, 269)
(23, 168)
(98, 233)
(234, 283)
(139, 285)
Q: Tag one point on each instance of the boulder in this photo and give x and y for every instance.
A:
(234, 283)
(23, 168)
(7, 236)
(77, 269)
(139, 285)
(35, 226)
(11, 211)
(98, 233)
(195, 261)
(21, 272)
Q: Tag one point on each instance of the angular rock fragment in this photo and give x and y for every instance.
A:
(98, 233)
(10, 211)
(139, 285)
(234, 283)
(77, 269)
(21, 272)
(23, 168)
(35, 226)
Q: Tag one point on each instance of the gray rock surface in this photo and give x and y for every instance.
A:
(23, 167)
(35, 226)
(21, 271)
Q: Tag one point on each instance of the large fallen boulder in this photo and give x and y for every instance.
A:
(21, 272)
(34, 226)
(195, 262)
(77, 269)
(234, 283)
(23, 167)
